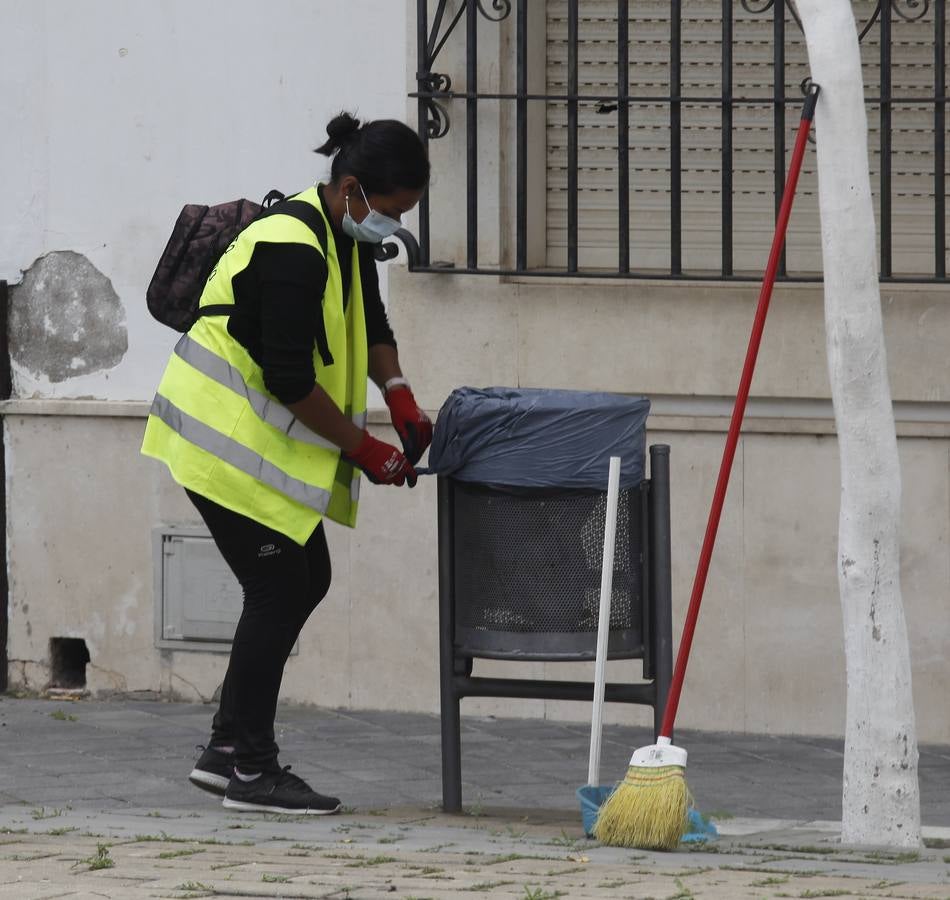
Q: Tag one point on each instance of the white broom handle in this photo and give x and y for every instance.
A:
(603, 623)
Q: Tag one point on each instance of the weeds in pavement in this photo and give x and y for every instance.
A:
(540, 893)
(61, 716)
(101, 859)
(799, 873)
(790, 848)
(41, 812)
(172, 854)
(373, 861)
(486, 885)
(683, 873)
(886, 856)
(227, 865)
(699, 847)
(212, 840)
(355, 826)
(58, 832)
(552, 872)
(275, 879)
(830, 892)
(162, 837)
(437, 847)
(682, 892)
(192, 886)
(565, 840)
(772, 880)
(510, 831)
(512, 857)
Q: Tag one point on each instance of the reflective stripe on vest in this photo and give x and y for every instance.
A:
(237, 455)
(270, 411)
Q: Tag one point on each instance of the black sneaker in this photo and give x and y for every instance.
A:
(213, 770)
(278, 792)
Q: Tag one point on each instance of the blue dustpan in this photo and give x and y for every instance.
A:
(591, 798)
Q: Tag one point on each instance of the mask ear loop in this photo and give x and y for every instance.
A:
(370, 208)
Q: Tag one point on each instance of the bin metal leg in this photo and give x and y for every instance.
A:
(451, 749)
(451, 719)
(661, 577)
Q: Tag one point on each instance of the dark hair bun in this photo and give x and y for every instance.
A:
(341, 130)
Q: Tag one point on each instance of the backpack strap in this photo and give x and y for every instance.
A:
(306, 213)
(272, 197)
(275, 203)
(313, 219)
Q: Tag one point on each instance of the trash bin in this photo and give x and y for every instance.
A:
(522, 502)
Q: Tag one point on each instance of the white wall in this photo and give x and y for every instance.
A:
(115, 113)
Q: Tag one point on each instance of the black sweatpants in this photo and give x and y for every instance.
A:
(282, 582)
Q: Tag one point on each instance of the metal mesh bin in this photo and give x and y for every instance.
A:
(527, 571)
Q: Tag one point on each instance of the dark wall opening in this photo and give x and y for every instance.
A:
(68, 658)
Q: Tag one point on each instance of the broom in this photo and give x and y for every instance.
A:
(649, 809)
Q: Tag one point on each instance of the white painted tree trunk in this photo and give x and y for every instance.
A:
(881, 800)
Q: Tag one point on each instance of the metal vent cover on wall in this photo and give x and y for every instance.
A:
(197, 598)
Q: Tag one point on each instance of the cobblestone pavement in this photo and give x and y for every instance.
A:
(94, 803)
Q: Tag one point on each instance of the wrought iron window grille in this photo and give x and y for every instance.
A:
(435, 94)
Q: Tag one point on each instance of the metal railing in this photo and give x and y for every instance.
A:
(437, 99)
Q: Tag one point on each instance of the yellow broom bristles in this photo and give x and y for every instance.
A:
(648, 810)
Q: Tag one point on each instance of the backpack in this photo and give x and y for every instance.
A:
(200, 236)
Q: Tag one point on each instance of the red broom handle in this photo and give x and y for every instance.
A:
(745, 382)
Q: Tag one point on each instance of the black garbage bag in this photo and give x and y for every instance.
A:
(538, 438)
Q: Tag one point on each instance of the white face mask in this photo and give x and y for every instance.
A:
(373, 229)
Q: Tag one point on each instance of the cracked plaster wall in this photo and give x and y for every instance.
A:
(66, 319)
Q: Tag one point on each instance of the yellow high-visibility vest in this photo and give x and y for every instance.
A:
(223, 435)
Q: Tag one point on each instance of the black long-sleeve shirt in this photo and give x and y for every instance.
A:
(278, 316)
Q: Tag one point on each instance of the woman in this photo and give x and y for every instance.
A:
(261, 417)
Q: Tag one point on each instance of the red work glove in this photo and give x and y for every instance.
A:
(412, 425)
(382, 463)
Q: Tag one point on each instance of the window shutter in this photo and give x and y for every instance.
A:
(753, 156)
